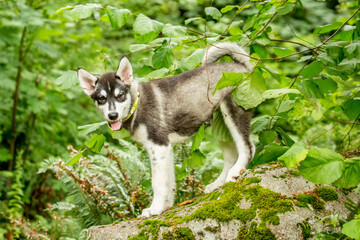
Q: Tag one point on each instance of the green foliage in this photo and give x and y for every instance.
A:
(304, 85)
(322, 166)
(352, 229)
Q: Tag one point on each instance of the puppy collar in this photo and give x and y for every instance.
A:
(134, 106)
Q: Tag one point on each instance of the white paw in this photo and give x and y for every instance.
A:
(151, 211)
(211, 187)
(234, 174)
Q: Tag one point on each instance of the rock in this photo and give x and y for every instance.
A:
(268, 202)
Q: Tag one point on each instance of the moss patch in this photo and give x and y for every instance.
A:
(265, 204)
(327, 193)
(182, 233)
(255, 232)
(305, 199)
(150, 228)
(212, 229)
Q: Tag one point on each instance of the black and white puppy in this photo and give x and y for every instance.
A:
(162, 112)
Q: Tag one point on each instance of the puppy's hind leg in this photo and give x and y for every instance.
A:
(230, 156)
(238, 122)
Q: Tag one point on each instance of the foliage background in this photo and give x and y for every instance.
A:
(57, 180)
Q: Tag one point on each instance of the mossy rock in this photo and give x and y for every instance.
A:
(257, 206)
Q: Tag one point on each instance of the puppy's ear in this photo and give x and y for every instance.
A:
(124, 71)
(87, 81)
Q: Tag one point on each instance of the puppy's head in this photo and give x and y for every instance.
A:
(110, 92)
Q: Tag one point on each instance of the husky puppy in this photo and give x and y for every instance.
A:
(162, 112)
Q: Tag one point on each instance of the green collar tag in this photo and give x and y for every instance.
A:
(134, 106)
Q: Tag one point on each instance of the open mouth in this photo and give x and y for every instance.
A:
(115, 126)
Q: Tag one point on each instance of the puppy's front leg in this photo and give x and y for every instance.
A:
(163, 178)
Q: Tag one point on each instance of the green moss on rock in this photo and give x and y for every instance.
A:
(265, 204)
(181, 233)
(212, 229)
(327, 193)
(305, 199)
(255, 232)
(150, 228)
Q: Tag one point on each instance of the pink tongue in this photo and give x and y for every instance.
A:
(115, 125)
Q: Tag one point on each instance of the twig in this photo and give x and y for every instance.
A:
(208, 78)
(282, 99)
(231, 21)
(264, 27)
(348, 133)
(338, 30)
(149, 48)
(308, 144)
(355, 123)
(293, 42)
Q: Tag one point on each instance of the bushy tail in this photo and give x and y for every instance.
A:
(227, 49)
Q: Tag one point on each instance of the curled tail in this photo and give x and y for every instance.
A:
(227, 49)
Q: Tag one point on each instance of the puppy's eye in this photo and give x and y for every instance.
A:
(120, 97)
(101, 99)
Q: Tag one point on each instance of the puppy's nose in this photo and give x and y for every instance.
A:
(113, 115)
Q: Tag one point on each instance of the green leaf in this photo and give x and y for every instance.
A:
(326, 85)
(219, 129)
(74, 159)
(123, 133)
(327, 28)
(174, 31)
(96, 142)
(213, 12)
(292, 157)
(352, 229)
(67, 80)
(86, 129)
(196, 159)
(198, 138)
(351, 175)
(146, 29)
(284, 137)
(157, 73)
(271, 153)
(193, 60)
(138, 47)
(81, 12)
(326, 59)
(105, 18)
(310, 89)
(229, 79)
(283, 10)
(312, 70)
(349, 65)
(267, 136)
(352, 108)
(117, 17)
(228, 8)
(322, 166)
(353, 47)
(247, 96)
(63, 9)
(162, 58)
(260, 123)
(187, 21)
(282, 52)
(275, 93)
